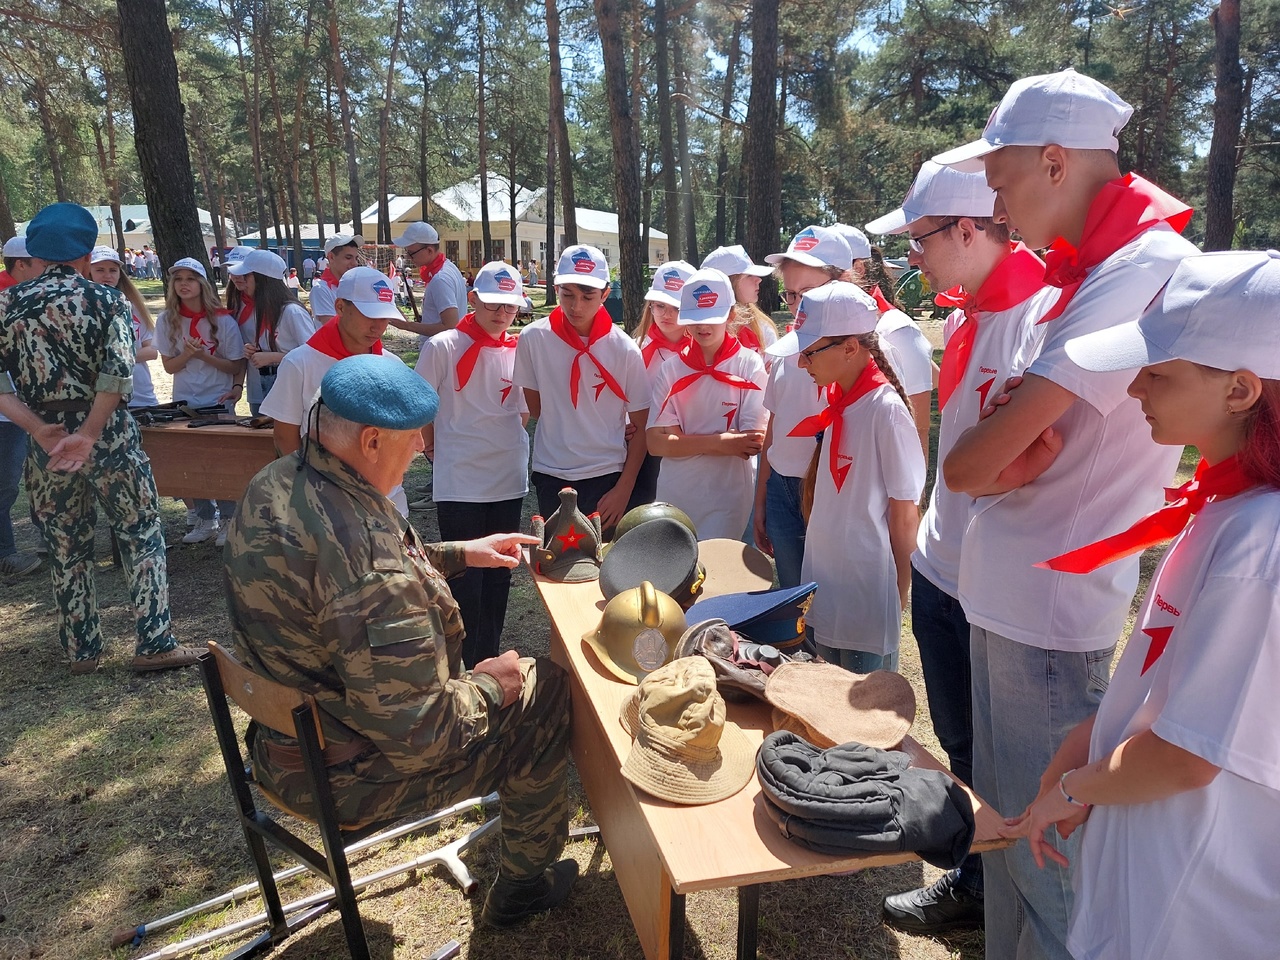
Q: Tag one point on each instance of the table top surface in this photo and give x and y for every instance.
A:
(214, 429)
(732, 842)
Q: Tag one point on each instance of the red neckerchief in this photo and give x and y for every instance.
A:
(692, 356)
(246, 308)
(883, 305)
(193, 330)
(747, 337)
(329, 342)
(1123, 209)
(329, 278)
(655, 341)
(1220, 482)
(832, 415)
(481, 338)
(1015, 278)
(431, 269)
(6, 280)
(601, 324)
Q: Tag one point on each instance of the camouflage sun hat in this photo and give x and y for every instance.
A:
(637, 632)
(662, 551)
(570, 548)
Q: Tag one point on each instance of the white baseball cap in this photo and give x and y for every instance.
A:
(583, 264)
(1220, 309)
(238, 252)
(259, 261)
(668, 280)
(189, 263)
(371, 293)
(1066, 108)
(816, 247)
(16, 247)
(939, 191)
(342, 240)
(99, 254)
(417, 232)
(734, 260)
(496, 282)
(858, 243)
(706, 297)
(836, 309)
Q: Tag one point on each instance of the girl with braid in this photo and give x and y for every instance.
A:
(863, 482)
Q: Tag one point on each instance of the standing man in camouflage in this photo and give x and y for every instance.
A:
(331, 592)
(67, 345)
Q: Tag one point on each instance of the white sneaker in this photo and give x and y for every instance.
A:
(223, 530)
(204, 530)
(193, 518)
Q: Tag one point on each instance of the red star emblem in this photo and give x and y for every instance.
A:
(982, 390)
(1159, 640)
(569, 541)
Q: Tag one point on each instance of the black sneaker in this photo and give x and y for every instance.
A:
(510, 901)
(934, 909)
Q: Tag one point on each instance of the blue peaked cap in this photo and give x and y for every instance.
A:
(379, 391)
(774, 617)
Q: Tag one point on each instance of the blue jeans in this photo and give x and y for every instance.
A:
(1025, 701)
(858, 661)
(13, 450)
(942, 634)
(785, 526)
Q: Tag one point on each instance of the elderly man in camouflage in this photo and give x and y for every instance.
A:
(331, 591)
(67, 344)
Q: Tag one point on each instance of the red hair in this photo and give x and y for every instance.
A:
(1260, 453)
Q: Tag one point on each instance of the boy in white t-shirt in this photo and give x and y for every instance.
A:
(478, 446)
(999, 290)
(341, 253)
(1065, 458)
(444, 297)
(583, 379)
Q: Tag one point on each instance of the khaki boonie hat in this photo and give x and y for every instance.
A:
(685, 750)
(828, 705)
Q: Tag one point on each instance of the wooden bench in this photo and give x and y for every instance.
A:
(662, 851)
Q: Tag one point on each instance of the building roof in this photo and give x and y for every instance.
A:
(141, 217)
(309, 232)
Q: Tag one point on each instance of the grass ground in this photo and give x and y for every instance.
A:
(114, 809)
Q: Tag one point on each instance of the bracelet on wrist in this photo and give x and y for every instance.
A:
(1062, 788)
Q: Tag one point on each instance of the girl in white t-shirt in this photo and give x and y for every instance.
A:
(1176, 779)
(863, 482)
(750, 324)
(660, 337)
(105, 268)
(709, 419)
(200, 345)
(272, 321)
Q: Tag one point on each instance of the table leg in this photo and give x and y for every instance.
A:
(675, 934)
(748, 920)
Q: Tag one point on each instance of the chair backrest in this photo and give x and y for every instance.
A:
(270, 703)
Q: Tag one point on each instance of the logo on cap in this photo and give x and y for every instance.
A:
(384, 292)
(505, 282)
(582, 262)
(801, 317)
(705, 297)
(672, 281)
(805, 240)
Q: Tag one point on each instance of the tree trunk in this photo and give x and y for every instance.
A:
(483, 143)
(666, 136)
(384, 131)
(333, 163)
(549, 198)
(316, 196)
(764, 180)
(422, 146)
(8, 228)
(113, 172)
(1228, 108)
(686, 166)
(293, 146)
(564, 154)
(344, 110)
(511, 191)
(51, 139)
(722, 156)
(254, 117)
(626, 160)
(206, 178)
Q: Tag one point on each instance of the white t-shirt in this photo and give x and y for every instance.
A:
(1108, 474)
(574, 443)
(1193, 876)
(1005, 343)
(323, 298)
(847, 551)
(481, 447)
(199, 383)
(716, 492)
(791, 395)
(448, 288)
(293, 329)
(912, 352)
(144, 392)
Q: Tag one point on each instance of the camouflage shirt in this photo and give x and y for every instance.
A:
(63, 337)
(331, 592)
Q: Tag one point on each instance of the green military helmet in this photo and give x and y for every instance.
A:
(637, 633)
(652, 511)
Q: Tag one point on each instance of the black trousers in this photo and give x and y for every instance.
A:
(481, 592)
(589, 490)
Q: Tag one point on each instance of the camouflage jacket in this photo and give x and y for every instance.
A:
(331, 592)
(63, 337)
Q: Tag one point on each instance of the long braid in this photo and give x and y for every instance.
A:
(871, 341)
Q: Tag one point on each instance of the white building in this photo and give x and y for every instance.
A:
(136, 224)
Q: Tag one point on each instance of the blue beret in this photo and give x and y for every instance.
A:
(379, 391)
(62, 232)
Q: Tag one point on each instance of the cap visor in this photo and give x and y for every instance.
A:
(509, 299)
(582, 279)
(693, 317)
(807, 259)
(894, 222)
(239, 268)
(787, 346)
(377, 309)
(968, 157)
(657, 296)
(1116, 348)
(756, 270)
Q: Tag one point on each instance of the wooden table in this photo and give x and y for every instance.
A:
(207, 463)
(662, 851)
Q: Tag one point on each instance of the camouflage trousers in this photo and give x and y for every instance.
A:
(525, 759)
(118, 478)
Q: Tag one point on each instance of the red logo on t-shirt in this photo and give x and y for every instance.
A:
(505, 282)
(506, 391)
(1159, 640)
(729, 415)
(982, 390)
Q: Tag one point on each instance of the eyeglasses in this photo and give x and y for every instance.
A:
(504, 308)
(810, 354)
(791, 296)
(918, 247)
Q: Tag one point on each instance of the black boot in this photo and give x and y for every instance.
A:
(510, 901)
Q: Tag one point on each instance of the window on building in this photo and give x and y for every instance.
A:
(451, 250)
(475, 254)
(499, 249)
